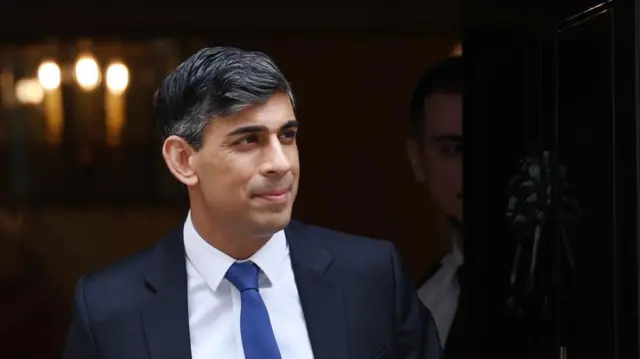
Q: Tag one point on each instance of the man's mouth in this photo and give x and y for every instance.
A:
(276, 195)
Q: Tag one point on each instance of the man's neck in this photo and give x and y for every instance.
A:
(457, 240)
(455, 235)
(235, 244)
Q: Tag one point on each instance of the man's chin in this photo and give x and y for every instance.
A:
(272, 222)
(455, 221)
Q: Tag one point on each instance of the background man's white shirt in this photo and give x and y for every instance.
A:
(440, 292)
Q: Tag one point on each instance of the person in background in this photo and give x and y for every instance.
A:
(435, 153)
(239, 278)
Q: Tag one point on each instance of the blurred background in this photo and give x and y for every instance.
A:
(83, 180)
(83, 183)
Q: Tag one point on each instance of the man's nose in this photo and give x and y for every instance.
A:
(276, 160)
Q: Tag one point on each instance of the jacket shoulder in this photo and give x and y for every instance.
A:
(341, 240)
(350, 250)
(121, 284)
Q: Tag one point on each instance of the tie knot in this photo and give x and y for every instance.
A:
(243, 275)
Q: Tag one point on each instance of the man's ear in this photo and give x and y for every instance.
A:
(413, 153)
(177, 153)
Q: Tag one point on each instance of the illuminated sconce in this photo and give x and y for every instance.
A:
(117, 81)
(49, 75)
(87, 73)
(29, 91)
(117, 78)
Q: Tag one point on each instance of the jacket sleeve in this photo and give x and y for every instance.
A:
(80, 343)
(416, 332)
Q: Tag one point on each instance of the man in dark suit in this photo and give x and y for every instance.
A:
(239, 279)
(435, 152)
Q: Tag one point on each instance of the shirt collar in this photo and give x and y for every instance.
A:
(212, 264)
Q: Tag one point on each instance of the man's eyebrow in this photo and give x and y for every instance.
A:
(254, 129)
(290, 124)
(246, 129)
(451, 138)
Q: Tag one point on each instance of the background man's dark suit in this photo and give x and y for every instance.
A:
(357, 299)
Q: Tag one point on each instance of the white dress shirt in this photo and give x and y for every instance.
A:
(440, 292)
(214, 303)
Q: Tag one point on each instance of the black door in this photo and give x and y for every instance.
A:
(563, 83)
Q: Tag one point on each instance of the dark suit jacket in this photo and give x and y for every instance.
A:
(357, 298)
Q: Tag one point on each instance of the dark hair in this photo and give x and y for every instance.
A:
(446, 77)
(215, 82)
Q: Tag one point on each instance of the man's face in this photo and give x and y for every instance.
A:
(247, 169)
(438, 161)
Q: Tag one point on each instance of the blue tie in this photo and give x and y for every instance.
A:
(258, 340)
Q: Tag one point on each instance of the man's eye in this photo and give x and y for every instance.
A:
(249, 139)
(289, 134)
(451, 149)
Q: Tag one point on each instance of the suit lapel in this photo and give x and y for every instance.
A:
(166, 316)
(321, 298)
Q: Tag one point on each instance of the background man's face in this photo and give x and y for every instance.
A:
(248, 167)
(438, 161)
